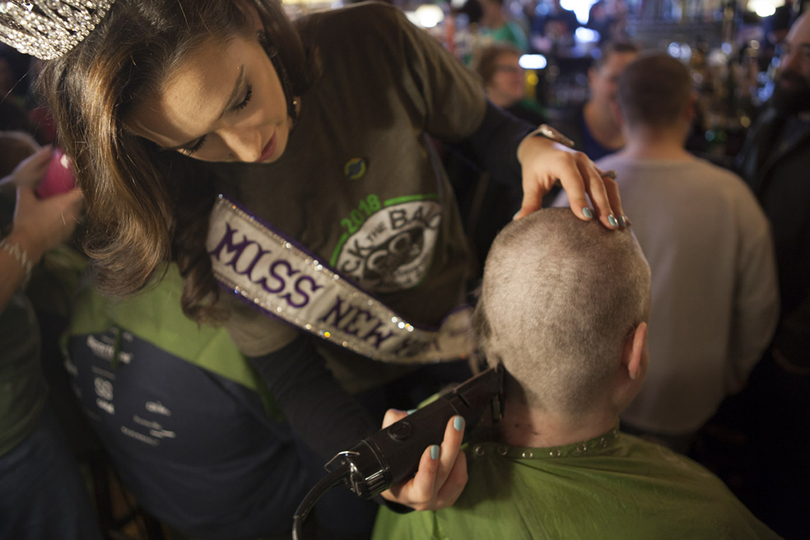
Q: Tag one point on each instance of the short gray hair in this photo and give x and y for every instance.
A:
(558, 300)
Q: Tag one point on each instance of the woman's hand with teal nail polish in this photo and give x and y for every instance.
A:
(545, 162)
(442, 472)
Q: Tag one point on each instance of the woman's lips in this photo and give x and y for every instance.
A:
(268, 151)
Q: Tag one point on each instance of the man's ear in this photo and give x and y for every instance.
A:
(635, 355)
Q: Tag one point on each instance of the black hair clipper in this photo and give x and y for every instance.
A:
(392, 454)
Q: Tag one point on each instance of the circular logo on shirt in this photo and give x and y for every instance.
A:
(393, 249)
(355, 168)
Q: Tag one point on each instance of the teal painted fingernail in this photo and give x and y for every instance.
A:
(434, 451)
(412, 411)
(458, 423)
(612, 220)
(587, 212)
(626, 221)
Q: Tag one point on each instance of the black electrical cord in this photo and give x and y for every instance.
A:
(325, 484)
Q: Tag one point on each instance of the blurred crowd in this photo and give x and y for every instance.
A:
(734, 54)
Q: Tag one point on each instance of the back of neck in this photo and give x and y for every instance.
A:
(525, 427)
(650, 145)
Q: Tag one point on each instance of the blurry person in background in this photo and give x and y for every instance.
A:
(498, 26)
(609, 18)
(594, 127)
(773, 412)
(714, 293)
(552, 28)
(505, 82)
(42, 495)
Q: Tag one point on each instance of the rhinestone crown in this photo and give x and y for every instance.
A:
(48, 29)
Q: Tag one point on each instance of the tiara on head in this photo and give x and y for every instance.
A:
(48, 29)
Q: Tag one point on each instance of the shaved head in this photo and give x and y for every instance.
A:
(559, 298)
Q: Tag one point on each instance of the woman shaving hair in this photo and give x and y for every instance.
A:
(286, 169)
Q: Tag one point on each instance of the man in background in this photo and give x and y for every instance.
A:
(593, 126)
(773, 412)
(714, 292)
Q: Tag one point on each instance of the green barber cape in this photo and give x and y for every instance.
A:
(615, 486)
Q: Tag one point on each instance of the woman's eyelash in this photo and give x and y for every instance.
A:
(201, 141)
(248, 95)
(197, 146)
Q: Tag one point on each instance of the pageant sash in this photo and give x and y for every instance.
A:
(284, 280)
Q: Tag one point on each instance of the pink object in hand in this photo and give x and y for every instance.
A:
(58, 178)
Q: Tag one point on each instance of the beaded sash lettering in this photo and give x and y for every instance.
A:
(284, 280)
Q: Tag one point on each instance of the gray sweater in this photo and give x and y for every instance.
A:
(714, 288)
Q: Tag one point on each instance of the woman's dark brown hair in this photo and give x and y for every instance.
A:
(146, 206)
